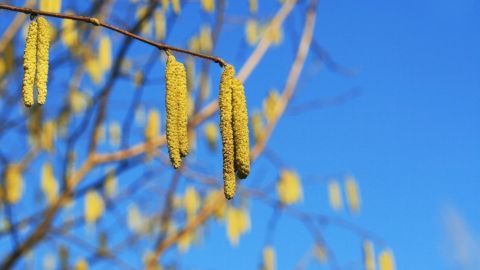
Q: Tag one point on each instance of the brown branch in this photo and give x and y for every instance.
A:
(292, 79)
(97, 22)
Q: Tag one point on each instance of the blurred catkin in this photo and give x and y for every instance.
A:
(93, 206)
(269, 261)
(240, 130)
(368, 255)
(353, 194)
(289, 187)
(13, 189)
(182, 109)
(211, 133)
(208, 5)
(49, 183)
(226, 130)
(30, 63)
(152, 128)
(171, 101)
(386, 260)
(334, 195)
(43, 46)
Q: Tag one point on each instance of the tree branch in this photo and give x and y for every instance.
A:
(97, 22)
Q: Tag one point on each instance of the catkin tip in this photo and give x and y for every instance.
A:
(230, 186)
(29, 64)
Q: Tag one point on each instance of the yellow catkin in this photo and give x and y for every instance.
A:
(238, 223)
(171, 101)
(111, 184)
(274, 33)
(271, 105)
(105, 52)
(50, 5)
(386, 261)
(165, 4)
(30, 63)
(191, 201)
(251, 32)
(289, 187)
(152, 128)
(13, 184)
(49, 183)
(43, 46)
(176, 6)
(81, 265)
(368, 255)
(269, 260)
(226, 130)
(94, 206)
(211, 133)
(334, 195)
(353, 194)
(48, 135)
(240, 130)
(257, 125)
(160, 25)
(208, 5)
(205, 39)
(182, 96)
(69, 33)
(220, 207)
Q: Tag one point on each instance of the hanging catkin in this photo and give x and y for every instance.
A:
(43, 45)
(30, 64)
(171, 101)
(182, 109)
(226, 130)
(240, 129)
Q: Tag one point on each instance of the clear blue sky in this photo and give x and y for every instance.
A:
(411, 138)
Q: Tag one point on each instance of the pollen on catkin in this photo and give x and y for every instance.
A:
(240, 130)
(43, 46)
(171, 101)
(226, 130)
(182, 96)
(30, 63)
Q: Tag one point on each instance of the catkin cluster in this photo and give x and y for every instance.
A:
(176, 97)
(35, 61)
(234, 130)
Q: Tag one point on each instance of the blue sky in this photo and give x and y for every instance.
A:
(411, 138)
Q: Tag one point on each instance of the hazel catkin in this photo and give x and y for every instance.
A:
(171, 101)
(29, 64)
(226, 130)
(240, 129)
(182, 96)
(43, 46)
